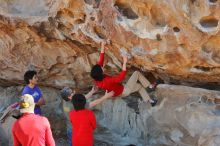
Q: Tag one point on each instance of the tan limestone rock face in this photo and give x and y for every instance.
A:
(58, 62)
(176, 40)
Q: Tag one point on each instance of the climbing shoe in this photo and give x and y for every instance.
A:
(150, 89)
(153, 103)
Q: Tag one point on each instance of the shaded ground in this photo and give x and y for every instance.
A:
(61, 142)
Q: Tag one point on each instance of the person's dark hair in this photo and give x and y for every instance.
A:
(65, 93)
(97, 73)
(29, 75)
(78, 101)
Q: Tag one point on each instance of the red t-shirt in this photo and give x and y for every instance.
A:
(32, 130)
(83, 123)
(111, 83)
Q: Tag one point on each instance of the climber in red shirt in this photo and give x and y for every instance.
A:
(113, 83)
(83, 122)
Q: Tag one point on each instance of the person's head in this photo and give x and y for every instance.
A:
(30, 77)
(66, 93)
(97, 73)
(78, 101)
(27, 104)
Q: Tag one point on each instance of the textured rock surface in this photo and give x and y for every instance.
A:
(185, 116)
(179, 40)
(51, 110)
